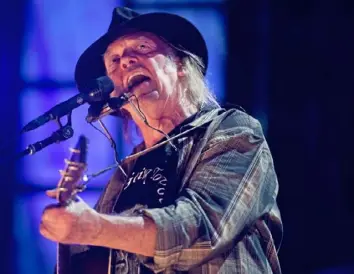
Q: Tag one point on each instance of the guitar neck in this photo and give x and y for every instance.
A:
(63, 259)
(68, 186)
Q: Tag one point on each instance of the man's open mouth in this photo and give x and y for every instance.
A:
(137, 80)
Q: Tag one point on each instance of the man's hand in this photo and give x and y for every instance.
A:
(76, 223)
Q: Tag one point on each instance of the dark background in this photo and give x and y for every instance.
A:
(289, 61)
(309, 78)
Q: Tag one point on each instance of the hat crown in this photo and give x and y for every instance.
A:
(121, 15)
(178, 31)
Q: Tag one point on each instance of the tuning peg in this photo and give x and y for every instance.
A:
(71, 163)
(62, 189)
(68, 178)
(74, 150)
(62, 172)
(85, 178)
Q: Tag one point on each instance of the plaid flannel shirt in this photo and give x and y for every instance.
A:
(225, 218)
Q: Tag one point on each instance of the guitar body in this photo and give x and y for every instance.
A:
(94, 261)
(91, 262)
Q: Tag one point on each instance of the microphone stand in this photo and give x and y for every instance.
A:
(62, 134)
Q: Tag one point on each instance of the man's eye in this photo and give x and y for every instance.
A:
(143, 47)
(115, 59)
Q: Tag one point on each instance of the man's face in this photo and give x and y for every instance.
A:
(142, 64)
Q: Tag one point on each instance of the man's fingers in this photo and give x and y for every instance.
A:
(45, 232)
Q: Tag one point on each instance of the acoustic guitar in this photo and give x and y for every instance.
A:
(70, 184)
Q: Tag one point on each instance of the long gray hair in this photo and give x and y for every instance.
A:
(198, 92)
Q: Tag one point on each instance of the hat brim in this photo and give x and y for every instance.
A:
(175, 29)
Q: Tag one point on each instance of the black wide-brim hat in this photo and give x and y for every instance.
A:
(176, 30)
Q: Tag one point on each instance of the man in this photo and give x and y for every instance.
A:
(203, 197)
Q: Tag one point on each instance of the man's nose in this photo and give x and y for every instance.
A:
(128, 61)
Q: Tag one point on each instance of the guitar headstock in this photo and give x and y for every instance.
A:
(70, 183)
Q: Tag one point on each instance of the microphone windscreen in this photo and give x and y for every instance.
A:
(103, 86)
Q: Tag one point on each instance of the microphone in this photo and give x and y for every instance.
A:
(98, 90)
(101, 109)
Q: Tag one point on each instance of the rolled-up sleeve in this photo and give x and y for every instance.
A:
(227, 192)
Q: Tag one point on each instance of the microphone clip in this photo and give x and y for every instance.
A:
(63, 133)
